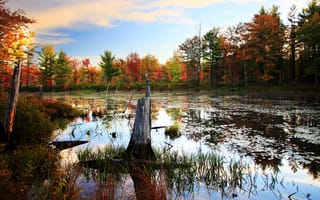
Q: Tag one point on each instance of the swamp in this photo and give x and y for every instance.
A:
(209, 145)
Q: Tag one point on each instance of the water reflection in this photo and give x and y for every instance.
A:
(275, 135)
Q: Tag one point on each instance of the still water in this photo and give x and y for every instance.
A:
(278, 137)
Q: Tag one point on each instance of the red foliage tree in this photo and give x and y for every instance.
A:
(5, 76)
(30, 75)
(86, 63)
(133, 67)
(76, 72)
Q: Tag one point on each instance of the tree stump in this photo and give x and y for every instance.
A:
(140, 142)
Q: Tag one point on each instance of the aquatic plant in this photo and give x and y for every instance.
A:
(173, 131)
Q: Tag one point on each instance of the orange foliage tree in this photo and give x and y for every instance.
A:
(150, 65)
(14, 40)
(264, 43)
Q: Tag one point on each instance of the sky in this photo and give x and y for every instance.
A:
(87, 28)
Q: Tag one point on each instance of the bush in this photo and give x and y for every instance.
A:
(34, 172)
(31, 126)
(36, 119)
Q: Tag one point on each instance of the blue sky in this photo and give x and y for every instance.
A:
(85, 28)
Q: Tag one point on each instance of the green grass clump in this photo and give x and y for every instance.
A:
(173, 131)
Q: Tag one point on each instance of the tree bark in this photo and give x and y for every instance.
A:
(12, 103)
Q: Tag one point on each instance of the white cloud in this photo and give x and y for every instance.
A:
(54, 14)
(53, 38)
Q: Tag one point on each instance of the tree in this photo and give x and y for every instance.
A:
(150, 65)
(47, 64)
(29, 75)
(309, 36)
(174, 69)
(14, 40)
(76, 77)
(85, 64)
(63, 70)
(107, 65)
(12, 25)
(30, 56)
(232, 56)
(293, 40)
(264, 43)
(191, 54)
(212, 52)
(120, 64)
(133, 67)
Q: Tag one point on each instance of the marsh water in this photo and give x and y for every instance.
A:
(277, 137)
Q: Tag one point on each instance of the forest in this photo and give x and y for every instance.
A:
(248, 145)
(263, 51)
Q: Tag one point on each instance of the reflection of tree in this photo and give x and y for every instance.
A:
(193, 116)
(175, 114)
(144, 185)
(304, 150)
(177, 177)
(155, 108)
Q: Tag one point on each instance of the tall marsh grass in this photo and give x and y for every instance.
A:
(178, 174)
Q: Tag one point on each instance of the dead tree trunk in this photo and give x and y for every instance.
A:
(140, 142)
(12, 104)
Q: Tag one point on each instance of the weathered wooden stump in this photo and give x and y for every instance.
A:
(140, 142)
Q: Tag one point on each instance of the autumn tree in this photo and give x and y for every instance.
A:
(107, 65)
(309, 36)
(150, 65)
(28, 69)
(11, 24)
(191, 54)
(234, 55)
(47, 64)
(63, 70)
(133, 66)
(29, 75)
(264, 43)
(85, 69)
(15, 38)
(75, 71)
(120, 64)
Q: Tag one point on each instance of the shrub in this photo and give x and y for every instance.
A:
(34, 172)
(36, 119)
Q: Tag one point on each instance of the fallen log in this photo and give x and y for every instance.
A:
(61, 145)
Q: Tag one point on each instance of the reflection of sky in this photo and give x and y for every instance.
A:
(98, 132)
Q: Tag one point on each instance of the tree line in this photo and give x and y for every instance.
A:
(262, 51)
